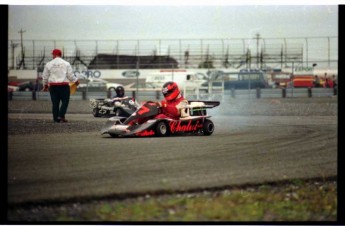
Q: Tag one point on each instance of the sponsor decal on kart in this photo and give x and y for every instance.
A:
(145, 133)
(186, 126)
(143, 110)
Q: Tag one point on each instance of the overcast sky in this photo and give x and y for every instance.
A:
(101, 22)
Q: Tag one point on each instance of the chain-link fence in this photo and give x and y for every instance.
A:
(257, 52)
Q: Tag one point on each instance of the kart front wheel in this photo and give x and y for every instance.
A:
(113, 135)
(208, 127)
(118, 112)
(162, 129)
(95, 112)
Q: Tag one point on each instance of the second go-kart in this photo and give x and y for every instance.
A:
(195, 121)
(109, 107)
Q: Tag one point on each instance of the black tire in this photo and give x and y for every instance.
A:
(162, 129)
(208, 127)
(118, 112)
(113, 135)
(95, 112)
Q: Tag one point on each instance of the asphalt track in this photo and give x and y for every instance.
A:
(242, 150)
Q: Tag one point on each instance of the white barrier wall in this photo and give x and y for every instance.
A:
(131, 73)
(113, 74)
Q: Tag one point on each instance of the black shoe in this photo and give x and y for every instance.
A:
(62, 119)
(57, 121)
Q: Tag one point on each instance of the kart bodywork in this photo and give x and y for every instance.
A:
(109, 107)
(195, 121)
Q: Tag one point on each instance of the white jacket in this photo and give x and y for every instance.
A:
(58, 72)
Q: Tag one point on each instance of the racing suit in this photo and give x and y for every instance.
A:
(173, 109)
(115, 101)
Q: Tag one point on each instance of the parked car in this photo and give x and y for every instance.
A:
(24, 86)
(243, 79)
(97, 84)
(142, 87)
(247, 79)
(12, 88)
(280, 79)
(301, 81)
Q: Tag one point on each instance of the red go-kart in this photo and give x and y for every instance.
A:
(195, 121)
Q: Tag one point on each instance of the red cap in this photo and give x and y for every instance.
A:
(57, 52)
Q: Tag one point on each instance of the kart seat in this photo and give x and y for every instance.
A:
(188, 110)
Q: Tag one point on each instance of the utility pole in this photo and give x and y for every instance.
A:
(13, 46)
(257, 49)
(22, 62)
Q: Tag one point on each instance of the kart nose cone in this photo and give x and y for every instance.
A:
(118, 129)
(109, 126)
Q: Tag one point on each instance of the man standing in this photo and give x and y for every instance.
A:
(56, 76)
(317, 81)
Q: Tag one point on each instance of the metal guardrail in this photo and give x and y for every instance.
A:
(155, 95)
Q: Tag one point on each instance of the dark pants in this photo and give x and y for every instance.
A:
(57, 94)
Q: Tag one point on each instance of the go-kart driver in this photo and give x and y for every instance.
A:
(172, 106)
(120, 95)
(174, 103)
(120, 92)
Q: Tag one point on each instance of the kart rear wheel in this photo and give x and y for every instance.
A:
(95, 112)
(208, 127)
(162, 129)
